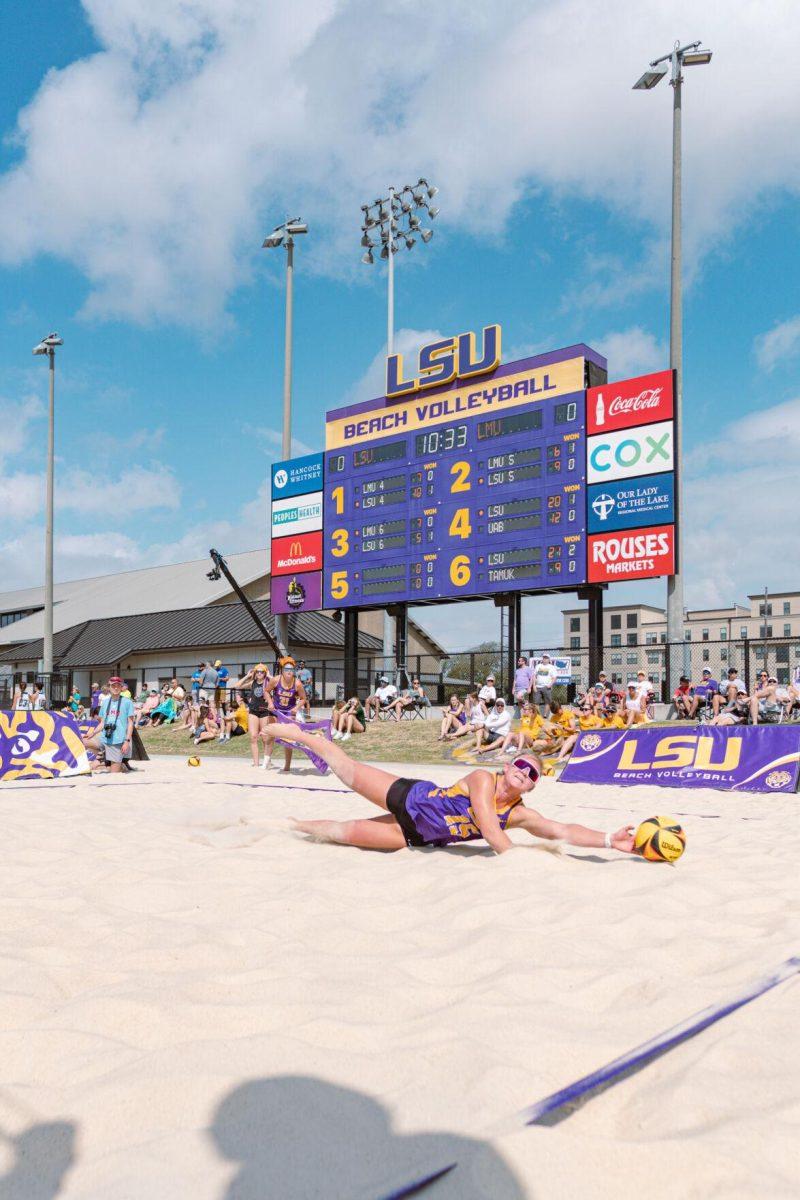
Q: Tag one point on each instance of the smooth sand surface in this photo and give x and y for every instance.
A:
(198, 1003)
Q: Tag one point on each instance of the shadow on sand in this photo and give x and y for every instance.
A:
(297, 1138)
(43, 1154)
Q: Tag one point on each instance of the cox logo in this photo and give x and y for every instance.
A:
(631, 452)
(281, 478)
(603, 505)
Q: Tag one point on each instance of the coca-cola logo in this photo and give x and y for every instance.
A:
(649, 398)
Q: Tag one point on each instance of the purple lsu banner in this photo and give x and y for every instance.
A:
(40, 745)
(753, 758)
(321, 728)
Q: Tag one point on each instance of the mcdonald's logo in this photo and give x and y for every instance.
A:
(292, 554)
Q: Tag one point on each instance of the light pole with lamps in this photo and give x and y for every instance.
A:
(679, 57)
(48, 346)
(395, 219)
(284, 235)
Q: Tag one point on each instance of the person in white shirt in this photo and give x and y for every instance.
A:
(645, 686)
(544, 680)
(384, 697)
(23, 698)
(729, 689)
(495, 728)
(635, 704)
(488, 693)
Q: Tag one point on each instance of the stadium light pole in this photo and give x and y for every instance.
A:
(48, 346)
(284, 235)
(395, 219)
(679, 57)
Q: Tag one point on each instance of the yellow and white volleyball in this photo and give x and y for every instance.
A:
(660, 839)
(194, 761)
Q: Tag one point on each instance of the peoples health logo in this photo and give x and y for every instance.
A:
(604, 505)
(281, 479)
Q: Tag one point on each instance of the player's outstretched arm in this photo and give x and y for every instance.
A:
(575, 835)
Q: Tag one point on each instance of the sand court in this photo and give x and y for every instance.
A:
(196, 1002)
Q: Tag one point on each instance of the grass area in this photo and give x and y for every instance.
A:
(384, 741)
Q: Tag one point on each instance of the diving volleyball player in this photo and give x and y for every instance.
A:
(418, 813)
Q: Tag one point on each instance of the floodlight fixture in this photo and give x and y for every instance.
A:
(367, 258)
(650, 78)
(697, 58)
(428, 187)
(48, 344)
(385, 251)
(367, 240)
(433, 212)
(426, 235)
(409, 240)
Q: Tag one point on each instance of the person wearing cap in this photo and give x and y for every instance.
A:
(488, 693)
(221, 686)
(704, 693)
(208, 684)
(498, 724)
(113, 733)
(382, 698)
(645, 685)
(736, 712)
(635, 704)
(682, 698)
(418, 812)
(544, 680)
(728, 692)
(256, 682)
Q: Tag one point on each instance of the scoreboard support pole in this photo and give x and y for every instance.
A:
(512, 601)
(350, 652)
(400, 614)
(594, 595)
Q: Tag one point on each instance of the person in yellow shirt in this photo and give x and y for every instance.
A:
(613, 720)
(530, 727)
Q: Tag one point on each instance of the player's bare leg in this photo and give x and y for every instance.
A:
(370, 782)
(372, 833)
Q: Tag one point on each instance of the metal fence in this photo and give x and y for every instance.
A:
(465, 671)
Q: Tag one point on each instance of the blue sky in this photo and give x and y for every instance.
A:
(145, 155)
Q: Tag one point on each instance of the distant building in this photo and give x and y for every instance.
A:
(158, 621)
(631, 633)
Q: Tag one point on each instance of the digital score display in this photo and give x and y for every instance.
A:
(469, 507)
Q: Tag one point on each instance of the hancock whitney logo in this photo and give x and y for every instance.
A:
(281, 478)
(604, 505)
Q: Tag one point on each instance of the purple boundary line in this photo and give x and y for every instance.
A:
(581, 350)
(693, 1025)
(411, 1189)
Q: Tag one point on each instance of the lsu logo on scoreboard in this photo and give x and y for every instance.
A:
(442, 362)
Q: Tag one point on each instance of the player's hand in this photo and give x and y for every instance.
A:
(623, 839)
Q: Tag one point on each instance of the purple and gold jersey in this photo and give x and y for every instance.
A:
(444, 815)
(284, 698)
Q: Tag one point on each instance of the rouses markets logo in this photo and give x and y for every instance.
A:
(604, 505)
(281, 479)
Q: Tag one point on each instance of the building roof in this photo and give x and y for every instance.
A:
(108, 640)
(175, 586)
(574, 612)
(771, 595)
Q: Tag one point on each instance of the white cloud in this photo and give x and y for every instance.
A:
(137, 489)
(778, 344)
(153, 164)
(739, 527)
(273, 440)
(630, 352)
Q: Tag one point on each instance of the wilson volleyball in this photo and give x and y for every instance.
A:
(194, 761)
(660, 839)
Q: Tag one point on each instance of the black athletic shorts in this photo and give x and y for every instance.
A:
(396, 804)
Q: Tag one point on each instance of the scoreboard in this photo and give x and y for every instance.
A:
(474, 489)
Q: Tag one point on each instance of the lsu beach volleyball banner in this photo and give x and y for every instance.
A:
(40, 745)
(753, 758)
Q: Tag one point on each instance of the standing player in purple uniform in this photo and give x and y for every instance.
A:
(285, 695)
(418, 813)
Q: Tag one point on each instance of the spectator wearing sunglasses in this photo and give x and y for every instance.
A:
(482, 804)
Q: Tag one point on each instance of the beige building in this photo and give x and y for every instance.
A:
(633, 635)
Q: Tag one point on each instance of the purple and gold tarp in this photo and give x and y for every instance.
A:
(40, 745)
(750, 758)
